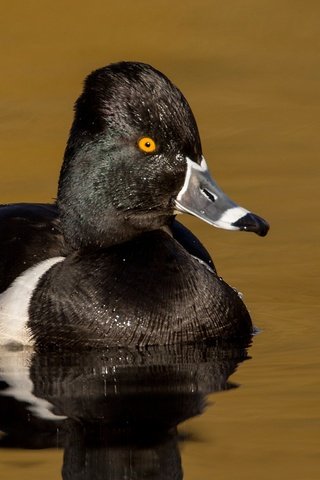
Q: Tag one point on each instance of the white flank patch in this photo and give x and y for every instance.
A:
(14, 304)
(14, 370)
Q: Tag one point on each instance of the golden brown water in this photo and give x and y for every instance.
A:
(250, 70)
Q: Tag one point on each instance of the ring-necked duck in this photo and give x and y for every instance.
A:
(108, 264)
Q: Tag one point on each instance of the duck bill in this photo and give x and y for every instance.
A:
(200, 196)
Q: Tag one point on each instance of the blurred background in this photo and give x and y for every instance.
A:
(250, 71)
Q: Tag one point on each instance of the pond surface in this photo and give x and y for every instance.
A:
(250, 71)
(114, 412)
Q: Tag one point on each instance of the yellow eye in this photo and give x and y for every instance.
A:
(146, 144)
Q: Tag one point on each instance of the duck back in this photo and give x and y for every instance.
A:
(29, 234)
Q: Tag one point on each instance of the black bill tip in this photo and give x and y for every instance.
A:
(252, 223)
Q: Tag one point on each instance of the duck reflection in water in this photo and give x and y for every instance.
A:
(115, 412)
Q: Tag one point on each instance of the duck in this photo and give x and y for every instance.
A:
(108, 264)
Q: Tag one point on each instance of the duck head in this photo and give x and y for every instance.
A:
(134, 159)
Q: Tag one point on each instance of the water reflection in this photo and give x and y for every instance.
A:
(115, 412)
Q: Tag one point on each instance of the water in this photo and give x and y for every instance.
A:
(114, 412)
(251, 72)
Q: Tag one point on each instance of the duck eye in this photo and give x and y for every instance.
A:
(146, 144)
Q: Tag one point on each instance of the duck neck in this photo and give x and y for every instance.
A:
(92, 216)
